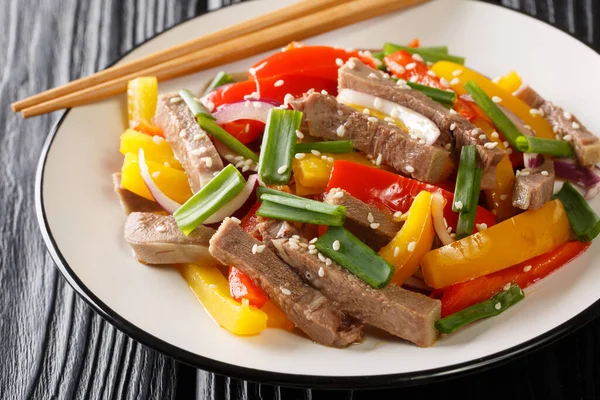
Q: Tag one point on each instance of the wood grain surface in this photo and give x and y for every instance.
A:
(52, 345)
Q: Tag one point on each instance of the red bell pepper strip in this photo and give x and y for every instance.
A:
(392, 191)
(244, 130)
(320, 61)
(295, 85)
(463, 295)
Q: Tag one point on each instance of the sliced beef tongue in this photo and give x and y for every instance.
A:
(454, 128)
(534, 186)
(402, 313)
(325, 118)
(566, 126)
(191, 145)
(131, 202)
(368, 223)
(156, 239)
(312, 312)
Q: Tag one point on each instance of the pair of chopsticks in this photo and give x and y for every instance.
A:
(299, 21)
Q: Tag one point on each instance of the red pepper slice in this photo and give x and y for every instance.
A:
(318, 61)
(392, 191)
(295, 85)
(462, 295)
(244, 130)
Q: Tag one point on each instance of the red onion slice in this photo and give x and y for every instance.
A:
(162, 199)
(588, 178)
(256, 110)
(234, 158)
(235, 203)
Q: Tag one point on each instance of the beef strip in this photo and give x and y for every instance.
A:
(156, 239)
(403, 313)
(323, 115)
(312, 312)
(191, 145)
(586, 145)
(358, 76)
(131, 202)
(534, 189)
(358, 222)
(270, 229)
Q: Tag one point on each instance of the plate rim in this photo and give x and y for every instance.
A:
(279, 378)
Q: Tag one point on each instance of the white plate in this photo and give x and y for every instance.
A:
(82, 221)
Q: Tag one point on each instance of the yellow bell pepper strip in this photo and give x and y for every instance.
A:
(172, 182)
(510, 82)
(414, 239)
(445, 69)
(212, 289)
(142, 96)
(156, 148)
(507, 243)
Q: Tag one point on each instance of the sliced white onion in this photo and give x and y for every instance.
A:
(417, 124)
(226, 153)
(256, 110)
(437, 212)
(162, 199)
(234, 204)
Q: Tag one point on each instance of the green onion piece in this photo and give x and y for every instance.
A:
(436, 49)
(380, 55)
(306, 204)
(282, 212)
(585, 223)
(277, 149)
(224, 137)
(222, 78)
(466, 220)
(218, 192)
(444, 97)
(263, 189)
(487, 308)
(339, 146)
(355, 256)
(532, 144)
(196, 107)
(502, 122)
(465, 180)
(426, 53)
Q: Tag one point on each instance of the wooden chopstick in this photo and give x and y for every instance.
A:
(301, 8)
(235, 49)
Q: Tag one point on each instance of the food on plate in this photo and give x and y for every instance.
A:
(330, 189)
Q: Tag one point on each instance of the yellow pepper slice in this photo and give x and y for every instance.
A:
(156, 148)
(171, 181)
(142, 96)
(518, 239)
(446, 69)
(414, 239)
(212, 289)
(510, 82)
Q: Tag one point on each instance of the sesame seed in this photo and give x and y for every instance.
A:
(448, 146)
(567, 138)
(495, 135)
(497, 99)
(481, 226)
(175, 100)
(411, 66)
(197, 137)
(366, 111)
(293, 245)
(321, 257)
(432, 73)
(244, 169)
(396, 251)
(156, 174)
(397, 214)
(160, 228)
(535, 111)
(505, 143)
(409, 168)
(286, 291)
(254, 247)
(324, 92)
(183, 133)
(324, 158)
(417, 57)
(458, 204)
(444, 82)
(457, 72)
(316, 152)
(313, 240)
(490, 145)
(299, 156)
(482, 137)
(213, 286)
(338, 195)
(370, 217)
(453, 111)
(351, 64)
(313, 251)
(247, 128)
(157, 139)
(328, 261)
(374, 225)
(507, 286)
(377, 102)
(238, 158)
(282, 169)
(330, 159)
(208, 161)
(373, 75)
(379, 159)
(236, 220)
(278, 83)
(299, 134)
(321, 272)
(455, 81)
(452, 126)
(210, 105)
(498, 306)
(575, 125)
(166, 164)
(527, 268)
(385, 74)
(414, 78)
(525, 173)
(503, 197)
(411, 246)
(340, 131)
(257, 104)
(545, 173)
(312, 246)
(339, 62)
(260, 248)
(567, 115)
(527, 127)
(287, 98)
(372, 119)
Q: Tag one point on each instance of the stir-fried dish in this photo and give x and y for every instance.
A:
(328, 189)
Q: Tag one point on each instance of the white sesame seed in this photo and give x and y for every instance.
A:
(411, 246)
(374, 225)
(312, 246)
(396, 251)
(313, 240)
(458, 204)
(410, 169)
(167, 164)
(545, 173)
(321, 272)
(299, 134)
(452, 111)
(490, 145)
(575, 125)
(340, 131)
(497, 99)
(414, 78)
(182, 133)
(495, 135)
(411, 66)
(373, 75)
(288, 98)
(207, 161)
(324, 158)
(482, 137)
(503, 197)
(339, 62)
(157, 139)
(257, 104)
(282, 169)
(175, 100)
(313, 251)
(278, 83)
(455, 81)
(330, 159)
(385, 74)
(535, 111)
(299, 156)
(525, 173)
(507, 286)
(377, 102)
(505, 143)
(498, 306)
(156, 174)
(568, 115)
(286, 291)
(370, 217)
(236, 220)
(481, 226)
(351, 64)
(567, 138)
(338, 195)
(457, 72)
(397, 214)
(160, 228)
(238, 158)
(316, 152)
(444, 82)
(379, 159)
(366, 111)
(244, 169)
(448, 146)
(260, 248)
(254, 247)
(293, 245)
(417, 57)
(328, 261)
(197, 137)
(321, 257)
(372, 119)
(432, 73)
(324, 92)
(452, 126)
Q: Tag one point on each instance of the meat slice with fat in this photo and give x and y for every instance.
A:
(534, 186)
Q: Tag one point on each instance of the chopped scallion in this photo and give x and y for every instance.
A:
(532, 144)
(306, 204)
(265, 190)
(339, 146)
(355, 256)
(584, 221)
(196, 107)
(444, 97)
(218, 192)
(465, 180)
(491, 109)
(485, 309)
(277, 149)
(282, 212)
(429, 54)
(222, 78)
(466, 220)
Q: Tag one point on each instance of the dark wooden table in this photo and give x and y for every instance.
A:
(52, 345)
